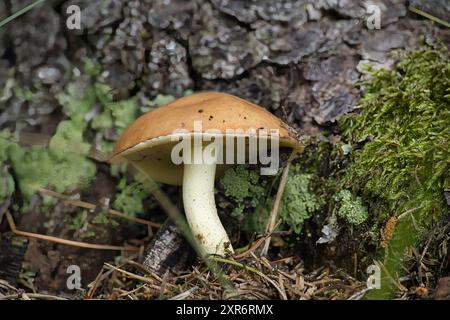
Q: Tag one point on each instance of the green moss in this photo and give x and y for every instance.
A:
(404, 164)
(352, 210)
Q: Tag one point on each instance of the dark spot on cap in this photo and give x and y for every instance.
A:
(210, 118)
(200, 110)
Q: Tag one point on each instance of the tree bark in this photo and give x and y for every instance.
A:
(168, 250)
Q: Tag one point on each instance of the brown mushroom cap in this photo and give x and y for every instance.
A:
(149, 137)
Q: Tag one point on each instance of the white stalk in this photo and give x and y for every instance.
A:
(200, 208)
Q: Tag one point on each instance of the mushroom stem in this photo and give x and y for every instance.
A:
(200, 208)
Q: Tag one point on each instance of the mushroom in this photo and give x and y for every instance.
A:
(152, 145)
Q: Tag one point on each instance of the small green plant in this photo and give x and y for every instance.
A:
(352, 210)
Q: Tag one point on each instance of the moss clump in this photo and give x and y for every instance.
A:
(352, 210)
(403, 165)
(406, 112)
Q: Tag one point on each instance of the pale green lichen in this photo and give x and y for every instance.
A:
(56, 168)
(248, 192)
(243, 187)
(79, 219)
(7, 184)
(299, 202)
(64, 164)
(105, 219)
(151, 104)
(130, 197)
(91, 68)
(118, 114)
(69, 139)
(161, 100)
(79, 97)
(349, 208)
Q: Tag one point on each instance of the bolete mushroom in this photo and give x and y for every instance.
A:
(228, 123)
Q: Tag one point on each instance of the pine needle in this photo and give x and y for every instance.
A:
(20, 12)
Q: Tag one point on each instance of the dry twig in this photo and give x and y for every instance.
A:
(90, 206)
(274, 212)
(72, 243)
